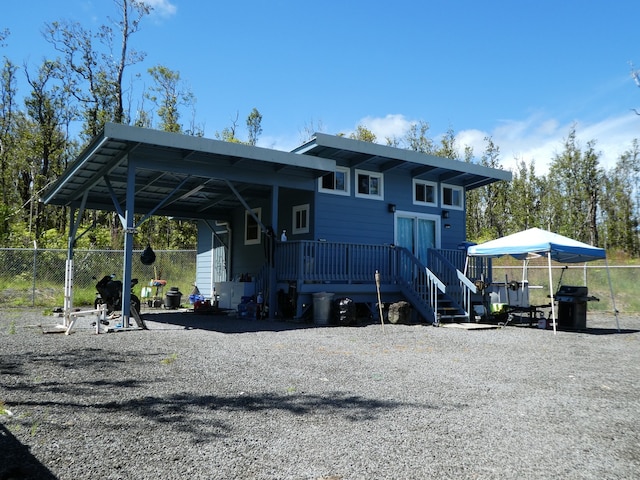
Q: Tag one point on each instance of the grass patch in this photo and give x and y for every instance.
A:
(593, 275)
(169, 359)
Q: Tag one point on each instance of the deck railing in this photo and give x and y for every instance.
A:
(335, 262)
(346, 263)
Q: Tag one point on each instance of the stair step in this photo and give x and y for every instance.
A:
(453, 317)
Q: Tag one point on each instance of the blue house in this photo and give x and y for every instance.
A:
(347, 208)
(379, 209)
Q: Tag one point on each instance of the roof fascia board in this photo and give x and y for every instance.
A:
(375, 149)
(218, 147)
(84, 157)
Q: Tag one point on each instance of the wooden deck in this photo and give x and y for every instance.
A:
(302, 268)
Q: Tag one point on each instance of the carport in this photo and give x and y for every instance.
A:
(131, 170)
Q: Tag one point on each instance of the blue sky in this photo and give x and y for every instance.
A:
(521, 72)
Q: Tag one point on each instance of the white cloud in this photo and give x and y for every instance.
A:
(163, 8)
(283, 142)
(393, 125)
(535, 139)
(539, 139)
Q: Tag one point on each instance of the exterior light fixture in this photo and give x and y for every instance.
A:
(391, 207)
(445, 213)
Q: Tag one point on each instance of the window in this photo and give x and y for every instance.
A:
(452, 197)
(300, 219)
(369, 185)
(335, 182)
(425, 193)
(251, 227)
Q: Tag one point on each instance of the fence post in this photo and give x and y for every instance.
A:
(35, 272)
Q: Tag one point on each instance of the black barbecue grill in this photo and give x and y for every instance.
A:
(572, 307)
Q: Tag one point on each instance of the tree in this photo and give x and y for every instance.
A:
(47, 143)
(93, 73)
(526, 195)
(309, 129)
(488, 208)
(416, 138)
(8, 118)
(363, 134)
(254, 126)
(168, 94)
(133, 12)
(619, 203)
(228, 134)
(574, 179)
(447, 147)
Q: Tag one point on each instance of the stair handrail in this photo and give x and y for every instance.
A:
(435, 285)
(451, 274)
(467, 287)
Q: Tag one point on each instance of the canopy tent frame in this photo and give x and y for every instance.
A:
(559, 248)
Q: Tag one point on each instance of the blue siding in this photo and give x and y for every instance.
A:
(288, 199)
(247, 259)
(335, 218)
(353, 220)
(350, 219)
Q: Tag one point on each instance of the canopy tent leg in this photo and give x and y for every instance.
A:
(613, 300)
(553, 309)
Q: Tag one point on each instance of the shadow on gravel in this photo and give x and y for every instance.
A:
(17, 462)
(115, 398)
(208, 416)
(219, 323)
(607, 331)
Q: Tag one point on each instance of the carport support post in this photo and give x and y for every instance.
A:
(273, 279)
(129, 231)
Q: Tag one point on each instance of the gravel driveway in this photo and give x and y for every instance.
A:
(204, 397)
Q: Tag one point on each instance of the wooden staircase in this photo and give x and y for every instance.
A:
(449, 311)
(438, 297)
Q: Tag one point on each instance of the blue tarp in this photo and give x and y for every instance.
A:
(536, 241)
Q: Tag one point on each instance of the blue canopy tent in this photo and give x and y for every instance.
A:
(537, 242)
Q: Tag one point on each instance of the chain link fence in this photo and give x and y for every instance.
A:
(624, 283)
(35, 277)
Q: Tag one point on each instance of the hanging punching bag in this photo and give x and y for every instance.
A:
(148, 256)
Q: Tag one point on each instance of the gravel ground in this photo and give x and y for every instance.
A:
(204, 397)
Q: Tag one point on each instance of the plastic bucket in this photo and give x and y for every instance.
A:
(322, 308)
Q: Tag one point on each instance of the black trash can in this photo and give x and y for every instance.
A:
(173, 298)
